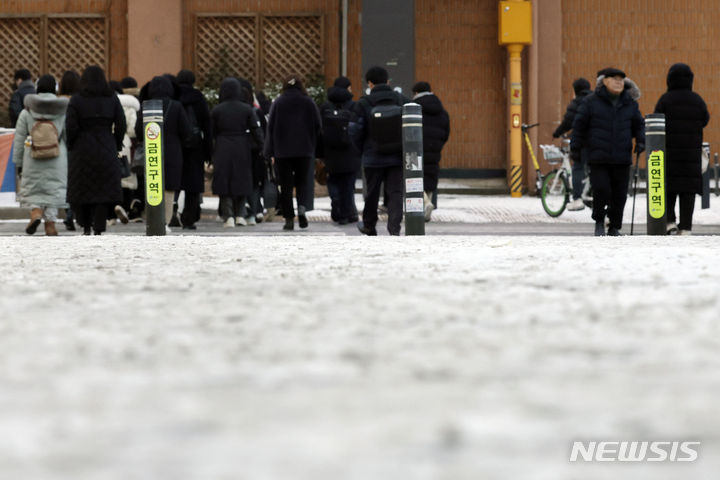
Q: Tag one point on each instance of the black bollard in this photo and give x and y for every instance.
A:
(412, 142)
(154, 169)
(655, 151)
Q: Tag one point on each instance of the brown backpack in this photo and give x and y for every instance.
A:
(45, 141)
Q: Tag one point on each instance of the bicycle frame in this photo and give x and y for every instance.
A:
(539, 176)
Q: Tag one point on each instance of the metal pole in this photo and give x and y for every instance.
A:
(154, 169)
(412, 142)
(514, 176)
(656, 199)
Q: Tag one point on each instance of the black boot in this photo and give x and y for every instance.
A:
(600, 229)
(175, 220)
(614, 232)
(289, 224)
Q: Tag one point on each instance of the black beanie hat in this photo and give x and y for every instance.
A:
(342, 82)
(421, 87)
(580, 85)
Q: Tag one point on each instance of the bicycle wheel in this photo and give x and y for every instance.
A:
(555, 194)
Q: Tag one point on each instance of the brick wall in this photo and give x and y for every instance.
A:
(457, 52)
(645, 37)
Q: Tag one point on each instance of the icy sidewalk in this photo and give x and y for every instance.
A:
(330, 358)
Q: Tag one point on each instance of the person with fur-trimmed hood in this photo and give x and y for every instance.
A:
(581, 87)
(436, 131)
(686, 115)
(43, 182)
(605, 125)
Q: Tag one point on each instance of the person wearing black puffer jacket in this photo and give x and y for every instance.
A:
(606, 123)
(341, 158)
(197, 148)
(686, 115)
(381, 162)
(436, 131)
(581, 87)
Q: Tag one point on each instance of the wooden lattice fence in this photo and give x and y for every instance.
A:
(261, 48)
(49, 44)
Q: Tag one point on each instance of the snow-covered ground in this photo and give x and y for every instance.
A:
(354, 358)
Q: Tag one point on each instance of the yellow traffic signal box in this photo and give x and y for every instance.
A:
(515, 23)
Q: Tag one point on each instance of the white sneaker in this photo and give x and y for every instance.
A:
(684, 232)
(672, 228)
(121, 214)
(168, 230)
(230, 222)
(576, 205)
(428, 206)
(251, 221)
(240, 222)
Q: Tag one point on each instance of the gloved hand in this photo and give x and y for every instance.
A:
(639, 147)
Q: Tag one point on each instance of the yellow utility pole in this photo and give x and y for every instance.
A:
(515, 31)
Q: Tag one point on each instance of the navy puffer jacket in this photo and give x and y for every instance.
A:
(607, 130)
(686, 115)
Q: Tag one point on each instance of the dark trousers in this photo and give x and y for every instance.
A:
(610, 188)
(191, 210)
(341, 188)
(393, 178)
(578, 175)
(687, 207)
(93, 215)
(431, 173)
(293, 172)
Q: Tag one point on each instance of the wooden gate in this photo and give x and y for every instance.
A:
(50, 44)
(261, 48)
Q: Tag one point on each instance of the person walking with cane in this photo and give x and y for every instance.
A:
(606, 123)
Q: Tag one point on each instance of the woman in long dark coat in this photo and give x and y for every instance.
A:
(95, 126)
(293, 128)
(198, 148)
(235, 127)
(686, 115)
(176, 130)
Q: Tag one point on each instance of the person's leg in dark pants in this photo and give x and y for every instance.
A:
(191, 211)
(100, 213)
(346, 197)
(304, 187)
(619, 181)
(287, 182)
(670, 201)
(394, 189)
(687, 207)
(578, 175)
(374, 182)
(600, 179)
(333, 186)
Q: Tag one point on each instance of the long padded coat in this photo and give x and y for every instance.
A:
(685, 117)
(95, 128)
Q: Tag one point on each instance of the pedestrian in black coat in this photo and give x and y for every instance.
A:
(379, 168)
(23, 86)
(581, 87)
(686, 115)
(436, 131)
(176, 130)
(95, 126)
(606, 123)
(342, 163)
(235, 129)
(292, 134)
(198, 147)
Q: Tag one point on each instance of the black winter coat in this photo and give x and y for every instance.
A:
(436, 127)
(570, 112)
(17, 100)
(607, 130)
(235, 130)
(340, 160)
(383, 94)
(685, 117)
(198, 149)
(176, 129)
(293, 126)
(95, 129)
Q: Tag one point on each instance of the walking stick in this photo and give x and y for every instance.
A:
(635, 181)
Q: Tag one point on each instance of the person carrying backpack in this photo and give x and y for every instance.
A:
(378, 136)
(40, 154)
(341, 158)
